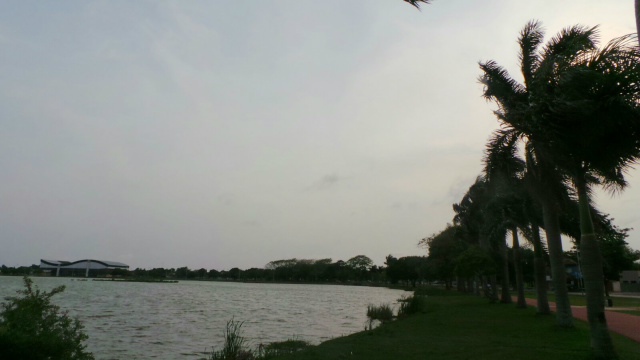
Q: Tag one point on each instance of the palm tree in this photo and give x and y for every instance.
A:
(471, 219)
(581, 118)
(515, 113)
(590, 120)
(638, 19)
(503, 170)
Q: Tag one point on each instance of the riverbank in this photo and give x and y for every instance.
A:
(460, 326)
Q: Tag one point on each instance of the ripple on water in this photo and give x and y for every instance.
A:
(169, 321)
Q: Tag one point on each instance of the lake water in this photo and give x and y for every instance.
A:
(128, 320)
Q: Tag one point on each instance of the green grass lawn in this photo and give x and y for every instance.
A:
(630, 312)
(580, 300)
(458, 326)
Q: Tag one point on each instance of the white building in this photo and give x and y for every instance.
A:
(87, 264)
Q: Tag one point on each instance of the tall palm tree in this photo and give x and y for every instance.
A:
(590, 120)
(637, 3)
(582, 119)
(471, 219)
(515, 112)
(503, 169)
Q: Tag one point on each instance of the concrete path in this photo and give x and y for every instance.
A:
(624, 324)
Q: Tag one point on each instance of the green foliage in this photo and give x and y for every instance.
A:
(407, 268)
(444, 249)
(31, 328)
(360, 262)
(412, 305)
(475, 262)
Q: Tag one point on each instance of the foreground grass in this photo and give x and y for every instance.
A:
(458, 326)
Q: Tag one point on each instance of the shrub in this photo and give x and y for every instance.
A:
(31, 328)
(411, 305)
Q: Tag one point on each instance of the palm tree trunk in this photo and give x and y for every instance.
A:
(593, 278)
(493, 288)
(638, 19)
(505, 295)
(540, 273)
(517, 264)
(564, 316)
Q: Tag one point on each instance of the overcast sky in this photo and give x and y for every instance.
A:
(229, 133)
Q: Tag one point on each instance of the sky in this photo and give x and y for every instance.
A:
(218, 134)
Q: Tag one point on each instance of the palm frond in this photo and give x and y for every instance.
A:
(562, 49)
(500, 87)
(501, 155)
(530, 39)
(416, 3)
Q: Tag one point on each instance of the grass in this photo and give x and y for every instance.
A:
(459, 326)
(630, 312)
(580, 300)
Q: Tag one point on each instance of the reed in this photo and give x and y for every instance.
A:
(234, 344)
(412, 305)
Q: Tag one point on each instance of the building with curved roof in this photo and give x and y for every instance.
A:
(86, 264)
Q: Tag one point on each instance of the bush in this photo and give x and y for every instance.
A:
(411, 305)
(31, 328)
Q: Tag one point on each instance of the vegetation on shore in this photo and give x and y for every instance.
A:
(32, 328)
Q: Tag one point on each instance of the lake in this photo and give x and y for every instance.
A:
(131, 320)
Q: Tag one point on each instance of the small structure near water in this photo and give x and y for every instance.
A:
(72, 267)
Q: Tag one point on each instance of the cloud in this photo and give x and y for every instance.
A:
(326, 182)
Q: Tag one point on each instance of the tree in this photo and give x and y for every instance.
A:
(504, 173)
(444, 248)
(31, 328)
(595, 137)
(578, 111)
(404, 269)
(360, 263)
(473, 227)
(517, 110)
(637, 6)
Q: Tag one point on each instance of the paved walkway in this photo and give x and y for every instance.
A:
(625, 324)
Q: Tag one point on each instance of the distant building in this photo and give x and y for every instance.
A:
(71, 268)
(630, 281)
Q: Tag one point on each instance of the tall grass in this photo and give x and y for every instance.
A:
(234, 344)
(412, 305)
(381, 313)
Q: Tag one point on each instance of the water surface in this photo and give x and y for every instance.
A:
(129, 320)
